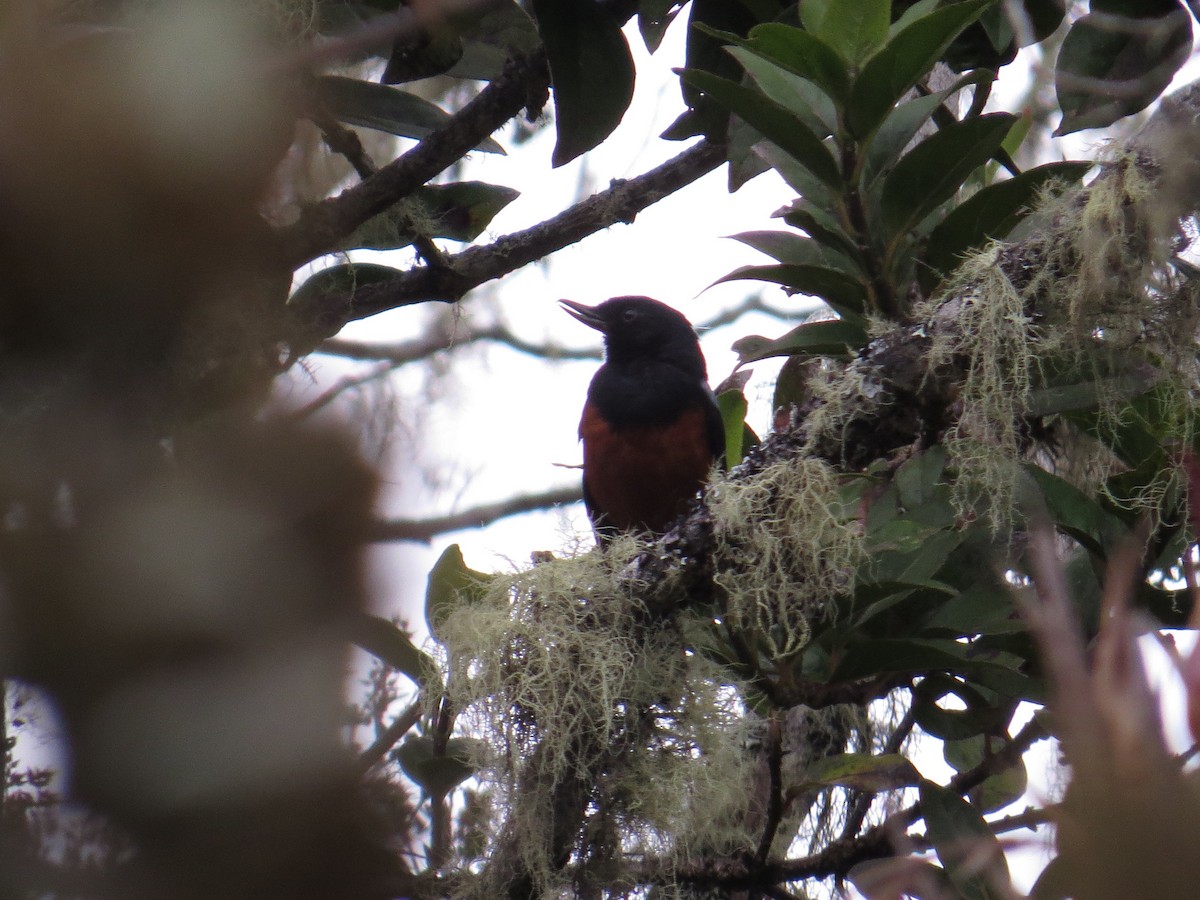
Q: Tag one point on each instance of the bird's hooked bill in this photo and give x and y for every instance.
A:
(585, 314)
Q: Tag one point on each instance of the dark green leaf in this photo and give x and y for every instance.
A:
(773, 121)
(1117, 59)
(803, 54)
(802, 213)
(933, 171)
(653, 18)
(706, 52)
(1127, 382)
(906, 57)
(450, 585)
(458, 211)
(996, 791)
(436, 775)
(797, 95)
(321, 303)
(800, 179)
(429, 54)
(897, 132)
(845, 295)
(832, 338)
(965, 845)
(983, 712)
(1076, 513)
(919, 482)
(860, 771)
(869, 658)
(381, 108)
(492, 35)
(786, 247)
(992, 212)
(591, 71)
(977, 610)
(386, 641)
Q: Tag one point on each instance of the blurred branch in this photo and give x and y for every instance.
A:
(374, 754)
(422, 348)
(418, 349)
(424, 530)
(523, 82)
(342, 386)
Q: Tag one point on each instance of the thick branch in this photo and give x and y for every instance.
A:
(424, 530)
(462, 272)
(322, 226)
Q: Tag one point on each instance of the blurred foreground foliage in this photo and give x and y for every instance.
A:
(973, 499)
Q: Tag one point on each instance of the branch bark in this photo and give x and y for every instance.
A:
(523, 83)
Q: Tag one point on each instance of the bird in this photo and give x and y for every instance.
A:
(651, 428)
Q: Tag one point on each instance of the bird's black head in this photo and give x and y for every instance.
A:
(638, 328)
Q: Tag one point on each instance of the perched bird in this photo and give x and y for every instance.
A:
(651, 429)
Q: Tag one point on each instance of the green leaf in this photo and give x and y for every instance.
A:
(903, 60)
(653, 18)
(437, 775)
(1076, 513)
(802, 213)
(835, 338)
(866, 659)
(458, 211)
(706, 52)
(368, 105)
(933, 171)
(492, 34)
(797, 95)
(844, 294)
(855, 28)
(733, 406)
(996, 791)
(1118, 59)
(591, 71)
(860, 771)
(450, 585)
(803, 54)
(897, 132)
(991, 213)
(977, 610)
(321, 304)
(772, 120)
(786, 247)
(919, 482)
(965, 845)
(1089, 393)
(387, 642)
(983, 713)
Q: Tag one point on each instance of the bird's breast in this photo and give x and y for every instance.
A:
(641, 476)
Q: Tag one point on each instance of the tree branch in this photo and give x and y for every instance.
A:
(418, 349)
(424, 530)
(320, 227)
(464, 271)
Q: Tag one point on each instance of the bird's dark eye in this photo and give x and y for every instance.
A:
(630, 315)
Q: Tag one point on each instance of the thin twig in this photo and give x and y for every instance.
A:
(424, 530)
